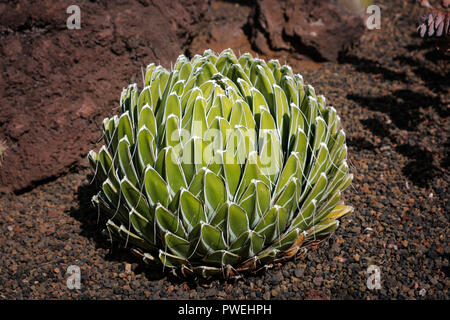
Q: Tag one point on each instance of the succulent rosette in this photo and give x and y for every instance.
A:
(220, 166)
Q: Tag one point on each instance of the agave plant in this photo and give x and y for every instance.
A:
(220, 166)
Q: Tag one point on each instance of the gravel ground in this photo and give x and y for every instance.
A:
(392, 95)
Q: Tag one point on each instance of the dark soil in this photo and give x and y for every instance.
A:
(392, 94)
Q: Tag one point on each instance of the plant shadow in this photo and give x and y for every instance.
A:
(402, 106)
(419, 168)
(93, 227)
(369, 66)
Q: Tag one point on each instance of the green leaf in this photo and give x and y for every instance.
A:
(237, 222)
(258, 102)
(169, 167)
(191, 210)
(146, 147)
(125, 128)
(301, 148)
(305, 215)
(199, 123)
(267, 121)
(255, 201)
(319, 165)
(290, 88)
(156, 188)
(262, 80)
(126, 161)
(112, 194)
(222, 258)
(215, 192)
(167, 221)
(241, 115)
(281, 107)
(196, 186)
(245, 89)
(211, 238)
(329, 205)
(106, 162)
(316, 191)
(287, 240)
(219, 219)
(322, 229)
(170, 260)
(135, 199)
(291, 169)
(320, 136)
(148, 73)
(270, 153)
(178, 246)
(266, 225)
(147, 119)
(231, 172)
(173, 134)
(256, 243)
(143, 227)
(296, 122)
(173, 106)
(145, 99)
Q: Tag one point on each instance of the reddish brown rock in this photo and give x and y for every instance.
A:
(319, 29)
(58, 84)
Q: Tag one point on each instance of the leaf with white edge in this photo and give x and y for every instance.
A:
(172, 134)
(291, 169)
(191, 210)
(125, 128)
(106, 162)
(211, 238)
(135, 199)
(148, 73)
(222, 258)
(143, 226)
(173, 172)
(173, 106)
(237, 222)
(305, 215)
(317, 190)
(339, 211)
(146, 148)
(255, 201)
(167, 221)
(288, 197)
(156, 188)
(145, 99)
(178, 246)
(215, 192)
(126, 161)
(171, 260)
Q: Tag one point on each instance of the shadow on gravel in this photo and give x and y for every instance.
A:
(360, 143)
(92, 225)
(402, 106)
(378, 128)
(374, 67)
(436, 80)
(420, 168)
